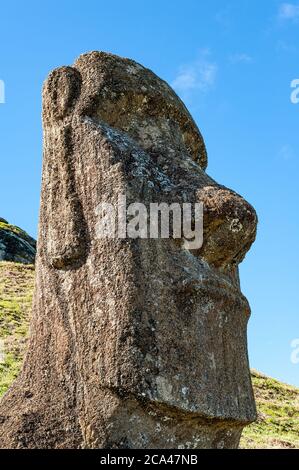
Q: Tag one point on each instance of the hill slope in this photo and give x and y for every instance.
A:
(278, 415)
(15, 244)
(16, 288)
(278, 403)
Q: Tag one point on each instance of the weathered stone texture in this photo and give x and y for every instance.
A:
(134, 342)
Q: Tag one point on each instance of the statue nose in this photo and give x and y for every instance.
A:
(230, 224)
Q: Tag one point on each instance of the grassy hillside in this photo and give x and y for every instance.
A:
(278, 415)
(16, 287)
(278, 404)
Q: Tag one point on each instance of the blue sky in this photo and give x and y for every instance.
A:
(232, 62)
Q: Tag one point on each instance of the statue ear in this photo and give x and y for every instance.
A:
(60, 93)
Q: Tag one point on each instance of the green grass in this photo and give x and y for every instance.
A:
(16, 288)
(278, 404)
(9, 371)
(13, 228)
(278, 415)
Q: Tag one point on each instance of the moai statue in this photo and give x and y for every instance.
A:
(135, 342)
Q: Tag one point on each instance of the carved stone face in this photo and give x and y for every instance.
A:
(145, 334)
(186, 316)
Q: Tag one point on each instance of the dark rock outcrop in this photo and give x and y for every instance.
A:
(15, 244)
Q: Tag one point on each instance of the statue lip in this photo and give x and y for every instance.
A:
(218, 286)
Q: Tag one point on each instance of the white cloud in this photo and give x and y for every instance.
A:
(240, 58)
(289, 11)
(199, 75)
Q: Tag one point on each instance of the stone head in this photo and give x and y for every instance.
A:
(136, 341)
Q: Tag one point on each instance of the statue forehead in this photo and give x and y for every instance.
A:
(109, 78)
(124, 75)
